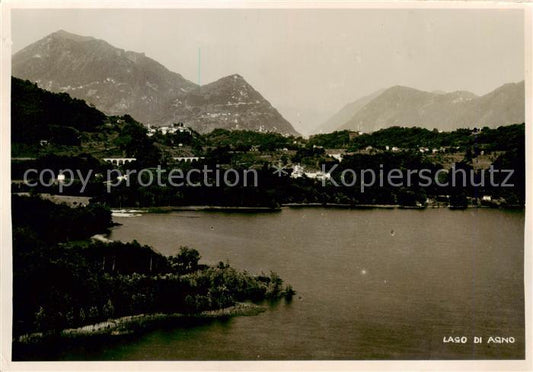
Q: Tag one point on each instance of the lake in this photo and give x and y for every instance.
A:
(371, 284)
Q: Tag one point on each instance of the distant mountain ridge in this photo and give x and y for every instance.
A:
(346, 113)
(404, 106)
(121, 82)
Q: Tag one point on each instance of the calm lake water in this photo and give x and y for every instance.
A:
(371, 284)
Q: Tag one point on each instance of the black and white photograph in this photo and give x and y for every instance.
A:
(241, 182)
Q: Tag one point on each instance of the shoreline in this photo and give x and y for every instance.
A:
(228, 209)
(123, 212)
(393, 206)
(133, 324)
(340, 205)
(207, 208)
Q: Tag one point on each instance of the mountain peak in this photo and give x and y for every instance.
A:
(401, 89)
(233, 78)
(114, 81)
(512, 85)
(62, 34)
(232, 103)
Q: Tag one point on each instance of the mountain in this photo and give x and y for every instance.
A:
(345, 114)
(404, 106)
(119, 82)
(229, 103)
(113, 80)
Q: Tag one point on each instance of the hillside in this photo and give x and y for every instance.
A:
(40, 115)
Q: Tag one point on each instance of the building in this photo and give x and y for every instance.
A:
(151, 131)
(337, 154)
(170, 129)
(298, 172)
(181, 128)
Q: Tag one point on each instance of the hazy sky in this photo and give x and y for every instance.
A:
(309, 63)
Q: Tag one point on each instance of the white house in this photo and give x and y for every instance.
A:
(170, 129)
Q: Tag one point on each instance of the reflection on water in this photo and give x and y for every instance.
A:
(371, 284)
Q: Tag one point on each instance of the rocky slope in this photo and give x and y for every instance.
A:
(229, 103)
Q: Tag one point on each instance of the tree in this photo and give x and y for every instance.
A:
(134, 142)
(186, 261)
(406, 197)
(108, 309)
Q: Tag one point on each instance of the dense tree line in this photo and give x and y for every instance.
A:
(52, 223)
(37, 114)
(133, 141)
(273, 189)
(244, 140)
(63, 280)
(501, 138)
(335, 140)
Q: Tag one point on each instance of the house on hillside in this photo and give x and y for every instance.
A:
(170, 129)
(181, 128)
(337, 154)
